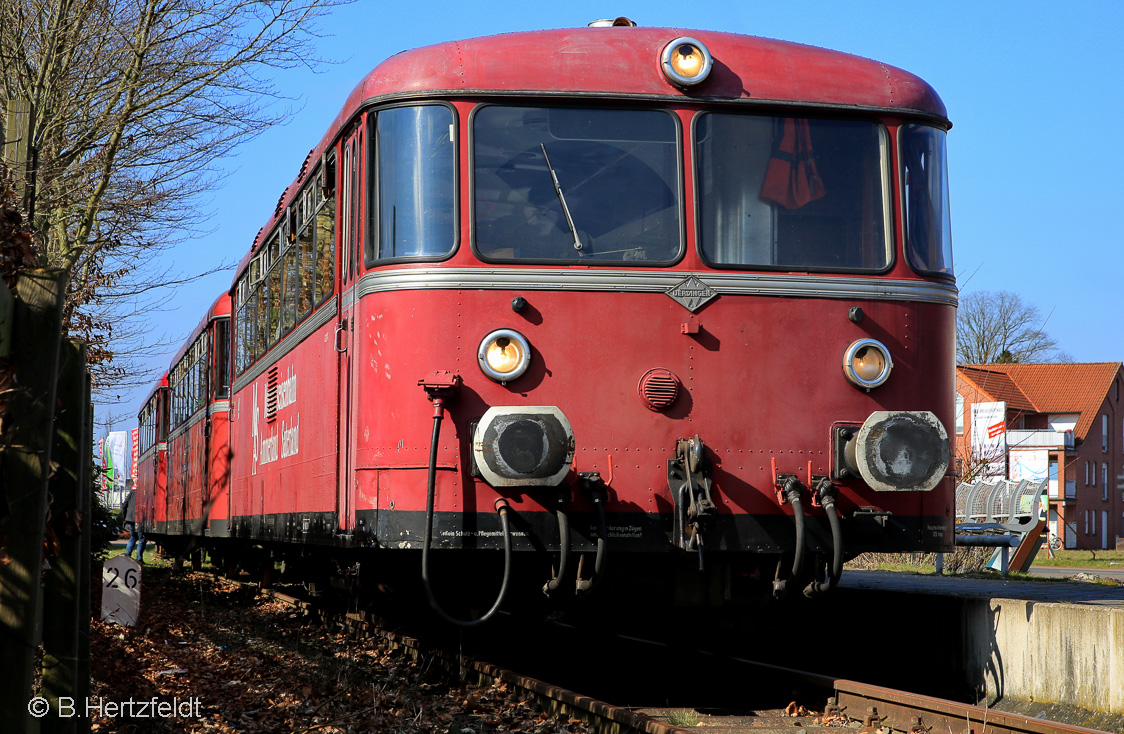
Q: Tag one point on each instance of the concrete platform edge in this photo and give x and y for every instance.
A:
(1045, 652)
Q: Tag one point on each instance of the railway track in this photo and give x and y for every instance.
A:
(819, 702)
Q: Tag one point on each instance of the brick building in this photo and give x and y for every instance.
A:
(1061, 421)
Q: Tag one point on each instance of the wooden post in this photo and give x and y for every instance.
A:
(85, 570)
(26, 463)
(15, 142)
(61, 597)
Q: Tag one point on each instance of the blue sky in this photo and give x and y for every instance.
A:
(1034, 90)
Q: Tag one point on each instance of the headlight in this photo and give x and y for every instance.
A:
(686, 62)
(504, 355)
(867, 363)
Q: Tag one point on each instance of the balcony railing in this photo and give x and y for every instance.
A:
(1040, 439)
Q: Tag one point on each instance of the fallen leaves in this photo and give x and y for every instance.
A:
(255, 666)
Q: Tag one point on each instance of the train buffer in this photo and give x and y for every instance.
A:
(1002, 514)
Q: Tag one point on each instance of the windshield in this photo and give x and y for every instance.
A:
(563, 184)
(928, 226)
(792, 193)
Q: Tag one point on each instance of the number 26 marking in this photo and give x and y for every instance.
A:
(131, 580)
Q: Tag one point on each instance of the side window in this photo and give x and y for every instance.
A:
(355, 171)
(345, 213)
(221, 378)
(414, 196)
(273, 318)
(306, 264)
(289, 289)
(326, 236)
(292, 273)
(925, 177)
(262, 318)
(349, 216)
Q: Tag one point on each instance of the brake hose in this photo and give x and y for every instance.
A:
(501, 506)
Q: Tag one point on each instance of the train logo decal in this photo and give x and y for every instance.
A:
(692, 294)
(284, 440)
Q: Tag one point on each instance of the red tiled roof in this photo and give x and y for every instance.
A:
(998, 385)
(1048, 388)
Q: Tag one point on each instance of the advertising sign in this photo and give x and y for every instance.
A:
(1032, 465)
(989, 438)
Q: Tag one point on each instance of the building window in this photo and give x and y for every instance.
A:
(1104, 482)
(1086, 522)
(959, 414)
(1104, 434)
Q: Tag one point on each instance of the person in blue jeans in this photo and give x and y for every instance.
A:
(136, 537)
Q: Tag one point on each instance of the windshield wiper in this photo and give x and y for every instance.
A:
(561, 198)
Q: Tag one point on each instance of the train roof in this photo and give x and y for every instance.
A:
(221, 307)
(162, 384)
(624, 62)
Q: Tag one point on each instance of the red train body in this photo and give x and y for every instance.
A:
(152, 460)
(683, 297)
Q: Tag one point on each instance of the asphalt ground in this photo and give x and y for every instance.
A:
(1057, 572)
(1060, 592)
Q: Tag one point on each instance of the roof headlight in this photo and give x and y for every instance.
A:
(686, 62)
(867, 363)
(504, 355)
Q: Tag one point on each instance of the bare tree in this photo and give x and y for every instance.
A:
(999, 327)
(134, 103)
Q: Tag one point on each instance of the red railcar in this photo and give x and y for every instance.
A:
(198, 473)
(152, 460)
(682, 300)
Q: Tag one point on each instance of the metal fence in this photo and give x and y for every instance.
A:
(1003, 515)
(999, 505)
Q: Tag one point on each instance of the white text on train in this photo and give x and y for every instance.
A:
(287, 391)
(282, 444)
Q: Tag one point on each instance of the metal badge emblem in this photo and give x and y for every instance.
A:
(692, 294)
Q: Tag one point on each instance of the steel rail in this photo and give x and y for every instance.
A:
(911, 712)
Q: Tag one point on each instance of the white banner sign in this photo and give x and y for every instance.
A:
(115, 444)
(989, 438)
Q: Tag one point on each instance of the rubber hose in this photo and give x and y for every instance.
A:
(780, 587)
(584, 586)
(430, 492)
(564, 542)
(833, 521)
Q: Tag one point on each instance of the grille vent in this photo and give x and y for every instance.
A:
(280, 202)
(304, 166)
(659, 388)
(271, 395)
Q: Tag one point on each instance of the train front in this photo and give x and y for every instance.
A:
(702, 337)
